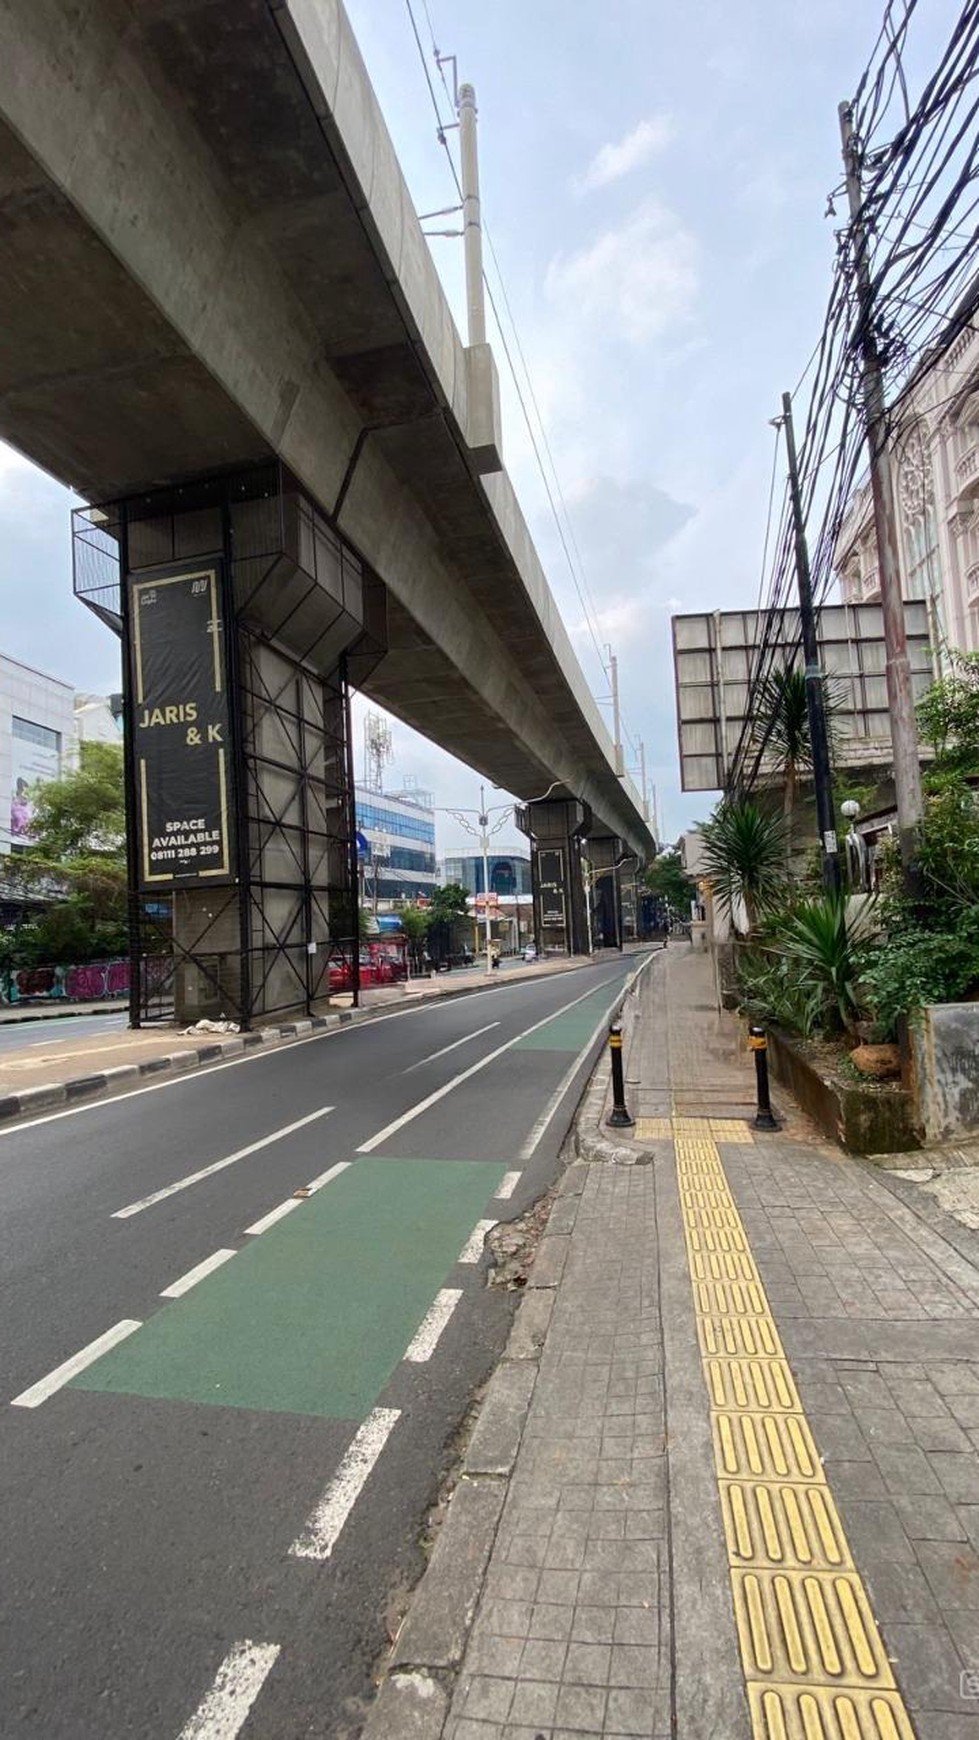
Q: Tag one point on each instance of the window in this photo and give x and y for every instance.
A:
(28, 732)
(384, 821)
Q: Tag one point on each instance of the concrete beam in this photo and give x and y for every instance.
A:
(211, 257)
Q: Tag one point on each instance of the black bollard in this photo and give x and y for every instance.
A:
(765, 1118)
(619, 1115)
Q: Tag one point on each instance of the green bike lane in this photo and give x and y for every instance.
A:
(239, 1402)
(312, 1316)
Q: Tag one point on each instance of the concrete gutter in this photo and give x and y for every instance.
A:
(415, 1692)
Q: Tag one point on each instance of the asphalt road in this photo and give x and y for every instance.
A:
(206, 1526)
(39, 1031)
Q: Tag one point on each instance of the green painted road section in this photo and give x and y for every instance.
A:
(573, 1029)
(314, 1315)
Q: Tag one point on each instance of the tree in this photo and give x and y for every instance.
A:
(743, 855)
(948, 717)
(449, 902)
(666, 878)
(82, 814)
(77, 855)
(415, 922)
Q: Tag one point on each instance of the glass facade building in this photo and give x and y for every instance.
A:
(399, 832)
(509, 873)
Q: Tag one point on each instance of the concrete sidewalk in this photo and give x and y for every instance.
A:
(725, 1481)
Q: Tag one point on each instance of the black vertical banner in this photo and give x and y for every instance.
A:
(180, 728)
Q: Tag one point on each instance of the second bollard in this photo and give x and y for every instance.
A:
(765, 1118)
(619, 1115)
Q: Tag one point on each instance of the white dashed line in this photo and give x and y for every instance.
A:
(63, 1374)
(434, 1321)
(322, 1531)
(316, 1184)
(472, 1250)
(274, 1214)
(474, 1068)
(217, 1166)
(237, 1683)
(508, 1186)
(453, 1047)
(207, 1267)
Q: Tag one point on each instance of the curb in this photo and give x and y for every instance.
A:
(47, 1096)
(419, 1677)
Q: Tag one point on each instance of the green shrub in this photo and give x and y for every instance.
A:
(915, 967)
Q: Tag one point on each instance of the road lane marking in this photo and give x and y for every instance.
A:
(324, 1526)
(542, 1124)
(508, 1186)
(425, 1340)
(237, 1683)
(63, 1374)
(256, 1055)
(316, 1184)
(274, 1214)
(457, 1080)
(207, 1267)
(217, 1166)
(453, 1047)
(472, 1250)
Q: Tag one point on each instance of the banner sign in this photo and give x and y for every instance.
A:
(180, 729)
(550, 883)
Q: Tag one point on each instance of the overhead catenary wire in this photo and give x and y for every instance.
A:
(918, 209)
(537, 435)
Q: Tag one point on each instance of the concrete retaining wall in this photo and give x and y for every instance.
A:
(944, 1048)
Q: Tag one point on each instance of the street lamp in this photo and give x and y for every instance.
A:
(482, 834)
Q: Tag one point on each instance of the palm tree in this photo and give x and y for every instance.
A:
(743, 855)
(782, 728)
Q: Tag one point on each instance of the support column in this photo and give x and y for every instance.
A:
(604, 854)
(241, 610)
(555, 828)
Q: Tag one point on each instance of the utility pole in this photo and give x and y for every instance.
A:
(642, 780)
(472, 224)
(484, 848)
(815, 697)
(900, 700)
(613, 669)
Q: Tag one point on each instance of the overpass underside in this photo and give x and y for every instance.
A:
(212, 265)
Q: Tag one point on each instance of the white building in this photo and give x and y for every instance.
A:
(98, 718)
(37, 742)
(935, 464)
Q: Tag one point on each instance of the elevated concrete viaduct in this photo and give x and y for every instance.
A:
(211, 266)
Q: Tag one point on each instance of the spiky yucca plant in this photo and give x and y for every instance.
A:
(743, 855)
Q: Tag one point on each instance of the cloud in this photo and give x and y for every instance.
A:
(636, 281)
(614, 161)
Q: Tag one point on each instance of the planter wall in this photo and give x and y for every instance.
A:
(943, 1042)
(863, 1120)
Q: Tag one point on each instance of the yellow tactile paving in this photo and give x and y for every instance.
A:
(654, 1129)
(731, 1130)
(734, 1336)
(773, 1526)
(814, 1662)
(752, 1383)
(814, 1713)
(764, 1446)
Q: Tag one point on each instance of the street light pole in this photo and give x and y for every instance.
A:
(484, 845)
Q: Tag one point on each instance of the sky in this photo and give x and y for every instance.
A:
(654, 180)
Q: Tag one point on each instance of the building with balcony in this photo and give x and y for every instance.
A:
(935, 463)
